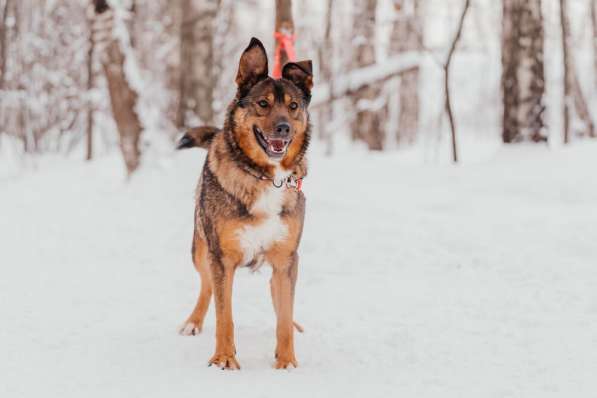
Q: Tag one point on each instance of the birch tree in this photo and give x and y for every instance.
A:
(523, 75)
(573, 96)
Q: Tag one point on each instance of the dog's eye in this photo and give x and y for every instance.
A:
(293, 105)
(263, 103)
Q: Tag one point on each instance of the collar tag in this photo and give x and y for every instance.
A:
(294, 183)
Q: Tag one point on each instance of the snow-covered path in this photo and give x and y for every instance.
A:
(415, 281)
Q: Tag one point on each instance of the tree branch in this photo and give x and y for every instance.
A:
(446, 67)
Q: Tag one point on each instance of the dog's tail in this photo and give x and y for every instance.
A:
(200, 137)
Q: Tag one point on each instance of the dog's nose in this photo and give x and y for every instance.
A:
(283, 129)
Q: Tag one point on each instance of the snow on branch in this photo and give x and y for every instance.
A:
(345, 84)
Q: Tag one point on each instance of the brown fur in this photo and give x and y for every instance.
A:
(237, 172)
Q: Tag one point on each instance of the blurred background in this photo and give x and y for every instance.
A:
(84, 78)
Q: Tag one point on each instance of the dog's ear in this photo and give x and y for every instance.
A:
(252, 67)
(301, 74)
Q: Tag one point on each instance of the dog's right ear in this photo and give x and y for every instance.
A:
(252, 67)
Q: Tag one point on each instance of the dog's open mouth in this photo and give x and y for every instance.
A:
(273, 146)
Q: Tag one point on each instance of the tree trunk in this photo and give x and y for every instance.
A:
(284, 26)
(573, 95)
(446, 67)
(123, 96)
(523, 75)
(405, 36)
(90, 84)
(197, 82)
(369, 121)
(594, 23)
(3, 42)
(326, 51)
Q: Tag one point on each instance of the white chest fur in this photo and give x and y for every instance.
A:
(255, 239)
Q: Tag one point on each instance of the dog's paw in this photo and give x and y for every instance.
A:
(285, 361)
(189, 329)
(224, 361)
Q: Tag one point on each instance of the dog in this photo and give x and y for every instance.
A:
(249, 206)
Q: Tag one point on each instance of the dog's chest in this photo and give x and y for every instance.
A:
(269, 228)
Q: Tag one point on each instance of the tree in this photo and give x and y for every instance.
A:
(90, 84)
(594, 24)
(40, 101)
(573, 96)
(446, 68)
(3, 41)
(284, 35)
(369, 120)
(197, 82)
(406, 35)
(326, 51)
(117, 61)
(523, 75)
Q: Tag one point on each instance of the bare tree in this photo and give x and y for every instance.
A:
(197, 81)
(573, 96)
(123, 96)
(40, 102)
(405, 36)
(567, 78)
(3, 41)
(369, 121)
(594, 24)
(523, 75)
(284, 36)
(326, 51)
(90, 84)
(446, 67)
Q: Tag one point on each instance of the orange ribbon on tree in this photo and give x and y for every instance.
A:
(284, 42)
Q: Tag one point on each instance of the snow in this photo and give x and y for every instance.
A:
(416, 280)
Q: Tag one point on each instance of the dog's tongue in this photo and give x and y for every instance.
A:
(277, 145)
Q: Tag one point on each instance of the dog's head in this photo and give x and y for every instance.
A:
(270, 119)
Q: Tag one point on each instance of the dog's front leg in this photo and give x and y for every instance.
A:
(222, 278)
(282, 284)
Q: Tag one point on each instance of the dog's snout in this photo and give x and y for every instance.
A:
(283, 129)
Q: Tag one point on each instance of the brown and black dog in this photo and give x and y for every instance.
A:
(249, 207)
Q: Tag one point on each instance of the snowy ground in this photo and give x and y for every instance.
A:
(415, 281)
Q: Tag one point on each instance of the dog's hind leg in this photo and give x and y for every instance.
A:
(194, 323)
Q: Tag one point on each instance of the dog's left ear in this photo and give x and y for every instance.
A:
(301, 74)
(252, 67)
